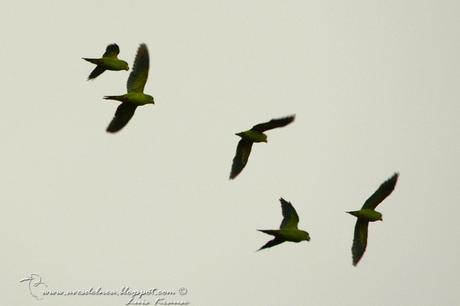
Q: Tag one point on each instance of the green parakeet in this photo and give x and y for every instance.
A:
(255, 134)
(135, 96)
(109, 61)
(368, 214)
(288, 229)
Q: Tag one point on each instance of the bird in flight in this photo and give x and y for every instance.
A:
(288, 229)
(255, 134)
(135, 96)
(368, 214)
(109, 61)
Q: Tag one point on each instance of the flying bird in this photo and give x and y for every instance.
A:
(135, 96)
(288, 229)
(368, 214)
(255, 134)
(109, 61)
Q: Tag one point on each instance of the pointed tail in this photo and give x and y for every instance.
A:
(118, 98)
(92, 60)
(270, 232)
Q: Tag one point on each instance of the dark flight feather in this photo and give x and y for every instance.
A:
(290, 217)
(96, 72)
(124, 113)
(274, 123)
(140, 72)
(385, 189)
(359, 240)
(241, 157)
(112, 50)
(271, 243)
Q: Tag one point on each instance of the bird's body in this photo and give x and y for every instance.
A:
(288, 229)
(135, 96)
(368, 214)
(293, 235)
(109, 61)
(255, 134)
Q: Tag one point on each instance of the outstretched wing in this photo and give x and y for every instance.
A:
(274, 123)
(359, 240)
(140, 72)
(111, 51)
(96, 72)
(241, 157)
(385, 189)
(290, 217)
(124, 113)
(269, 244)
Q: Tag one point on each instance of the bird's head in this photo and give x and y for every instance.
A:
(125, 66)
(305, 236)
(377, 216)
(264, 139)
(150, 99)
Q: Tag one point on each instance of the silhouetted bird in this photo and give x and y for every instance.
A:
(109, 61)
(368, 214)
(288, 229)
(255, 134)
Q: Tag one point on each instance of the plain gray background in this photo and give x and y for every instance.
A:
(375, 89)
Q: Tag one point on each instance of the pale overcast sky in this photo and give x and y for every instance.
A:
(375, 89)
